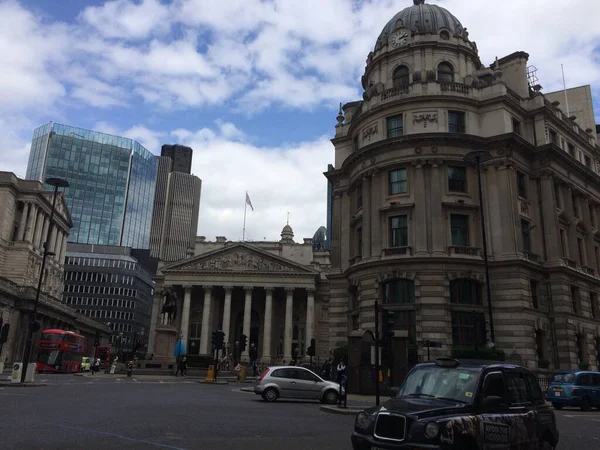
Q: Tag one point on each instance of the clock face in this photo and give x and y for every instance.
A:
(399, 39)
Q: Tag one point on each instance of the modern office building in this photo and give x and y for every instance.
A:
(110, 286)
(181, 157)
(112, 182)
(407, 226)
(24, 224)
(176, 209)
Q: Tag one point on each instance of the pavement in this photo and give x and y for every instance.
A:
(100, 412)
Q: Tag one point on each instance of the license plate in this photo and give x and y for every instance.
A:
(557, 394)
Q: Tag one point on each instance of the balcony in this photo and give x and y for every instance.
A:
(397, 251)
(455, 250)
(455, 87)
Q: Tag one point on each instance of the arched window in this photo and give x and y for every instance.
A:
(466, 292)
(400, 77)
(398, 292)
(445, 72)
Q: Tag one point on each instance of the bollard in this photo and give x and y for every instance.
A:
(210, 375)
(242, 375)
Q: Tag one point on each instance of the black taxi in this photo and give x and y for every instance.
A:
(448, 405)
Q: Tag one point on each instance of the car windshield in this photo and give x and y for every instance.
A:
(563, 378)
(444, 383)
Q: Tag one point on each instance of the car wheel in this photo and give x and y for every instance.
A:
(270, 395)
(557, 406)
(586, 405)
(331, 397)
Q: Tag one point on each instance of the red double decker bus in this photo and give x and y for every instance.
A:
(60, 351)
(103, 352)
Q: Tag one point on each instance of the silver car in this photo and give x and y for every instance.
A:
(295, 382)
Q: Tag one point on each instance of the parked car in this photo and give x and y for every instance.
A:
(574, 388)
(447, 405)
(295, 382)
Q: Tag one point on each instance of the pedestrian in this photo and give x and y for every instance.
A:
(179, 365)
(129, 369)
(184, 367)
(238, 371)
(96, 366)
(341, 378)
(254, 368)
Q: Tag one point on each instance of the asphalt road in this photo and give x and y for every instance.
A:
(81, 413)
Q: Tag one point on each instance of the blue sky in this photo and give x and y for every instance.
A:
(252, 85)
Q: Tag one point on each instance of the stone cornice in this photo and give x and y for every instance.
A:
(551, 152)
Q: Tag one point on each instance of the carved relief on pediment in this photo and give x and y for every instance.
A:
(238, 261)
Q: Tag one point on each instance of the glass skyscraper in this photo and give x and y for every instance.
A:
(112, 182)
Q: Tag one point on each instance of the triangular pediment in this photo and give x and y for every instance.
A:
(61, 208)
(239, 258)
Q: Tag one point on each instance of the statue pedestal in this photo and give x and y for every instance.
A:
(164, 346)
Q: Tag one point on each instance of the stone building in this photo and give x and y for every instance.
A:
(406, 213)
(273, 292)
(24, 225)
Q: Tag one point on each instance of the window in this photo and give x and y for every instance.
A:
(581, 251)
(406, 320)
(399, 292)
(534, 288)
(587, 161)
(359, 197)
(465, 292)
(359, 243)
(445, 73)
(553, 137)
(395, 126)
(522, 185)
(581, 353)
(539, 344)
(398, 182)
(459, 229)
(575, 299)
(457, 179)
(526, 235)
(563, 244)
(401, 77)
(517, 388)
(456, 121)
(576, 211)
(557, 195)
(571, 149)
(516, 126)
(468, 329)
(399, 231)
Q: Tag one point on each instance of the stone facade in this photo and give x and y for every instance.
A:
(406, 212)
(275, 293)
(24, 226)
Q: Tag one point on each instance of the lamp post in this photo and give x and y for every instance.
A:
(477, 157)
(34, 325)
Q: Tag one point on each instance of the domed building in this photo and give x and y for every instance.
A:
(407, 218)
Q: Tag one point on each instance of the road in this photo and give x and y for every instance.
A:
(83, 413)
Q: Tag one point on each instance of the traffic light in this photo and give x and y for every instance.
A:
(214, 339)
(310, 351)
(243, 342)
(218, 339)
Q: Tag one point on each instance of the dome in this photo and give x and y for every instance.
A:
(287, 229)
(422, 18)
(287, 234)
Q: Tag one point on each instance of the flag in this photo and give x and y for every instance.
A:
(248, 202)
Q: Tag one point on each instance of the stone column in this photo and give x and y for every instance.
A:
(550, 220)
(266, 347)
(44, 233)
(375, 200)
(420, 220)
(23, 224)
(57, 244)
(289, 326)
(39, 224)
(185, 315)
(366, 217)
(437, 219)
(572, 230)
(154, 320)
(52, 239)
(204, 333)
(247, 321)
(589, 237)
(310, 317)
(29, 229)
(227, 314)
(63, 249)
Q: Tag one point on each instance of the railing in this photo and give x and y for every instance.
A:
(455, 87)
(590, 271)
(394, 92)
(397, 251)
(464, 251)
(572, 264)
(544, 382)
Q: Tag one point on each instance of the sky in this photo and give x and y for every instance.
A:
(253, 86)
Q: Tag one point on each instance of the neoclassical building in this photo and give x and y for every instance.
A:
(275, 293)
(26, 209)
(406, 212)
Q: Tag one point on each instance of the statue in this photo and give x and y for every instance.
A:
(169, 308)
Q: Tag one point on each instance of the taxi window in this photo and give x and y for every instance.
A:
(534, 388)
(584, 379)
(517, 388)
(596, 379)
(563, 378)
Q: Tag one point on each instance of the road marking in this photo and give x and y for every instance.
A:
(105, 433)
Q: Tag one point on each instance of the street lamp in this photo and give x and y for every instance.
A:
(477, 157)
(34, 325)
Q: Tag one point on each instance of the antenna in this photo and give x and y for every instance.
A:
(565, 89)
(532, 78)
(288, 218)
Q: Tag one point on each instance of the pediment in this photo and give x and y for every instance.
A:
(61, 208)
(239, 258)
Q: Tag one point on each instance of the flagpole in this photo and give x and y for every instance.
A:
(245, 207)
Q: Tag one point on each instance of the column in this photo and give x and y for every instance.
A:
(30, 223)
(366, 217)
(375, 200)
(437, 220)
(589, 237)
(550, 220)
(420, 219)
(227, 314)
(39, 224)
(63, 249)
(572, 230)
(23, 224)
(44, 232)
(247, 319)
(52, 238)
(266, 346)
(154, 320)
(185, 314)
(289, 328)
(204, 335)
(310, 317)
